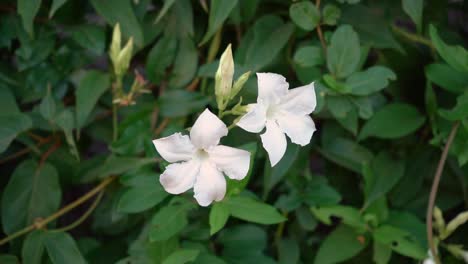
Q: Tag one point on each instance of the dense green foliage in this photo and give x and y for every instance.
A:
(78, 116)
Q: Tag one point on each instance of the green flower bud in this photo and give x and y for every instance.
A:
(123, 60)
(238, 84)
(439, 220)
(115, 45)
(455, 223)
(223, 78)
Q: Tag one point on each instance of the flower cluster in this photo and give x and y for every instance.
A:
(199, 161)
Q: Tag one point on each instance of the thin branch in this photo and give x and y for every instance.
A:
(433, 194)
(413, 37)
(25, 150)
(40, 223)
(319, 31)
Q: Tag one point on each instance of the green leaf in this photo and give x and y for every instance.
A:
(251, 210)
(185, 64)
(459, 111)
(455, 56)
(305, 15)
(400, 241)
(168, 221)
(31, 192)
(219, 214)
(27, 9)
(66, 122)
(182, 256)
(181, 103)
(90, 37)
(92, 85)
(393, 121)
(114, 166)
(140, 198)
(382, 253)
(344, 52)
(340, 245)
(446, 77)
(331, 14)
(33, 247)
(414, 9)
(61, 248)
(349, 215)
(8, 259)
(160, 58)
(56, 4)
(386, 172)
(346, 153)
(344, 112)
(308, 56)
(8, 101)
(288, 251)
(10, 126)
(320, 193)
(219, 11)
(273, 175)
(369, 81)
(167, 5)
(47, 107)
(121, 11)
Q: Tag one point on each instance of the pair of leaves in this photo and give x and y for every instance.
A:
(243, 208)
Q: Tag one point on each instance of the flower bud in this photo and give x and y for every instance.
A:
(238, 84)
(115, 45)
(123, 60)
(223, 78)
(439, 220)
(455, 223)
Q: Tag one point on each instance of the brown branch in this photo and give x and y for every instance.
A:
(25, 150)
(51, 150)
(319, 31)
(433, 194)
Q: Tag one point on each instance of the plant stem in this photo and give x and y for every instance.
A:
(413, 37)
(43, 222)
(319, 31)
(115, 128)
(433, 194)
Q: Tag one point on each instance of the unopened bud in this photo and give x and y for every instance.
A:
(455, 223)
(123, 60)
(115, 45)
(223, 78)
(439, 220)
(238, 84)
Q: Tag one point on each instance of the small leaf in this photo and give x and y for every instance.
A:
(253, 211)
(347, 153)
(168, 221)
(393, 121)
(305, 15)
(47, 107)
(219, 12)
(56, 4)
(182, 256)
(400, 241)
(141, 198)
(167, 5)
(344, 52)
(219, 214)
(27, 9)
(369, 81)
(179, 103)
(343, 238)
(414, 9)
(459, 111)
(349, 215)
(10, 126)
(446, 77)
(61, 248)
(308, 56)
(331, 14)
(455, 56)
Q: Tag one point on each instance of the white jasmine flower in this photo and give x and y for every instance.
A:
(199, 162)
(281, 111)
(429, 261)
(465, 256)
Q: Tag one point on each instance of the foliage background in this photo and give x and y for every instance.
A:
(389, 90)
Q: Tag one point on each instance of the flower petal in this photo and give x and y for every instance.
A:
(274, 142)
(232, 161)
(271, 87)
(210, 185)
(207, 130)
(179, 177)
(176, 147)
(298, 128)
(254, 120)
(300, 100)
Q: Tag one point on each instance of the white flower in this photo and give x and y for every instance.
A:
(199, 162)
(465, 256)
(281, 111)
(429, 261)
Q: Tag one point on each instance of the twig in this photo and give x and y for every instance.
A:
(51, 150)
(25, 150)
(320, 33)
(161, 126)
(43, 222)
(413, 37)
(433, 194)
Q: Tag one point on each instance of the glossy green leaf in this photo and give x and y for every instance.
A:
(182, 256)
(251, 210)
(180, 103)
(27, 9)
(344, 52)
(446, 77)
(62, 248)
(10, 126)
(56, 4)
(369, 81)
(168, 221)
(167, 5)
(160, 57)
(455, 55)
(33, 247)
(32, 192)
(219, 214)
(140, 198)
(393, 121)
(309, 56)
(219, 11)
(349, 215)
(331, 14)
(414, 9)
(343, 238)
(459, 111)
(400, 241)
(305, 15)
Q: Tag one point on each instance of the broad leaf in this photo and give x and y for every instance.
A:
(344, 52)
(219, 11)
(305, 15)
(253, 211)
(369, 81)
(61, 248)
(455, 56)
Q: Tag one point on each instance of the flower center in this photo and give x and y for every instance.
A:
(271, 111)
(201, 154)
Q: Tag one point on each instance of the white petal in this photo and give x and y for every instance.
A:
(207, 130)
(210, 185)
(271, 87)
(232, 161)
(300, 100)
(298, 128)
(176, 147)
(254, 120)
(274, 142)
(179, 177)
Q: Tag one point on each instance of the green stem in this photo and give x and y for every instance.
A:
(115, 125)
(412, 37)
